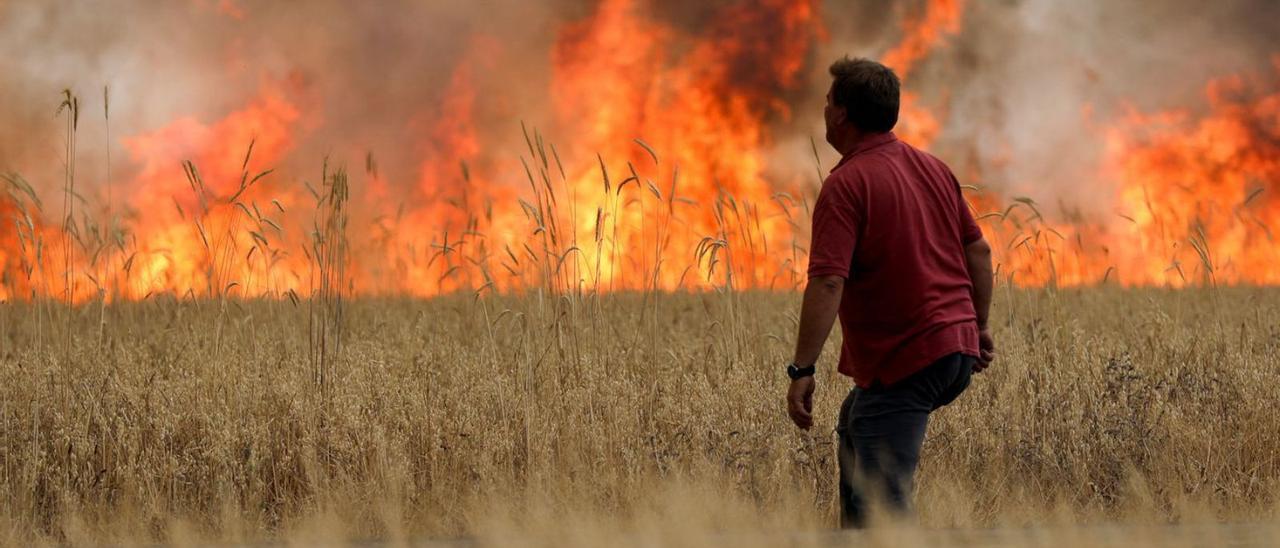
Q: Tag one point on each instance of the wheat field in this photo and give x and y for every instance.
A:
(643, 419)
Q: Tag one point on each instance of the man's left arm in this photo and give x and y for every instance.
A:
(818, 313)
(836, 223)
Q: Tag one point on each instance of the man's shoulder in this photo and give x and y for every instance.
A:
(927, 157)
(860, 168)
(847, 178)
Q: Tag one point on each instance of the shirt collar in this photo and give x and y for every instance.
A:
(868, 142)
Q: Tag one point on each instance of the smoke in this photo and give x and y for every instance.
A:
(371, 81)
(1028, 85)
(1020, 85)
(363, 75)
(426, 95)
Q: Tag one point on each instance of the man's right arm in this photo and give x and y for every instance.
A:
(978, 256)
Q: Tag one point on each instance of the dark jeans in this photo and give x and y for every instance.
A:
(881, 429)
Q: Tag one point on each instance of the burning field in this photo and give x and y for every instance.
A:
(406, 270)
(619, 145)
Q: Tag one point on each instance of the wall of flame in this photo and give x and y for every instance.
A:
(661, 154)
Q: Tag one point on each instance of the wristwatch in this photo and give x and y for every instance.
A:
(800, 372)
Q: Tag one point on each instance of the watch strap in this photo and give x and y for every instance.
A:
(800, 372)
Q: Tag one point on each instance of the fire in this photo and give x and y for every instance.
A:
(189, 230)
(12, 246)
(1196, 200)
(652, 167)
(703, 115)
(940, 19)
(662, 185)
(454, 192)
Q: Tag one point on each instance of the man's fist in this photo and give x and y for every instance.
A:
(800, 402)
(986, 351)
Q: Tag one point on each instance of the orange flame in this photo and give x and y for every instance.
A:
(1196, 200)
(664, 180)
(921, 35)
(695, 186)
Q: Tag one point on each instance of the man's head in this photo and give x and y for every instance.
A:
(863, 100)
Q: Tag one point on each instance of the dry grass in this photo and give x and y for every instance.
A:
(572, 420)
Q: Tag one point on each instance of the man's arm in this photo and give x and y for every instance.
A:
(978, 256)
(817, 315)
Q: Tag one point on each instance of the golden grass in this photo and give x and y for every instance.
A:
(557, 420)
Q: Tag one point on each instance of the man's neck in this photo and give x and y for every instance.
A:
(854, 140)
(851, 142)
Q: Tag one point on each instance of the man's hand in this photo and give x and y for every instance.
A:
(818, 313)
(986, 350)
(800, 402)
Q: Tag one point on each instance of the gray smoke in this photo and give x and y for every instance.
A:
(1013, 83)
(1021, 74)
(367, 71)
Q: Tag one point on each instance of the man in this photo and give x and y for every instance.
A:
(898, 255)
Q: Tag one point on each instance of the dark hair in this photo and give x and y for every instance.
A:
(868, 91)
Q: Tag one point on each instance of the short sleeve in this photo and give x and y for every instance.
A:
(835, 232)
(969, 230)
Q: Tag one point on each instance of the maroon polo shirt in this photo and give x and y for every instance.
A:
(890, 219)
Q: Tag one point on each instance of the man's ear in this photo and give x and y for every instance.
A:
(841, 116)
